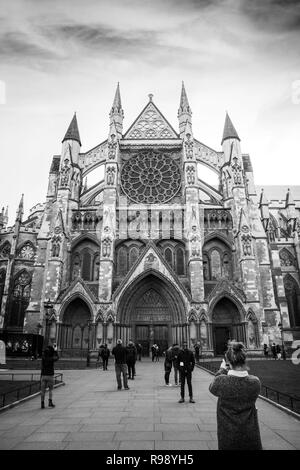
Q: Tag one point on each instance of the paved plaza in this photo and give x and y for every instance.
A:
(91, 413)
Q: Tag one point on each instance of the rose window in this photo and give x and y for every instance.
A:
(150, 178)
(27, 252)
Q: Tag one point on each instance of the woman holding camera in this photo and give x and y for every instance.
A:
(237, 391)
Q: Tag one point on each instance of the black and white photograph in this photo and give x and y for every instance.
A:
(149, 228)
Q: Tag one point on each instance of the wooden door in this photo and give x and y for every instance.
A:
(142, 337)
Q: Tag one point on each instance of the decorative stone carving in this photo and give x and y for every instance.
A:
(111, 172)
(65, 173)
(237, 172)
(189, 147)
(247, 244)
(112, 147)
(190, 174)
(151, 125)
(150, 177)
(55, 249)
(106, 244)
(195, 242)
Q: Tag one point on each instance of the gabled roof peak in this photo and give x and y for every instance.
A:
(150, 124)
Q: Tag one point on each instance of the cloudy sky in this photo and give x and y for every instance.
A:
(61, 56)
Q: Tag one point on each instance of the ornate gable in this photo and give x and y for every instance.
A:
(151, 124)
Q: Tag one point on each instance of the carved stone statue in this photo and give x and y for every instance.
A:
(65, 173)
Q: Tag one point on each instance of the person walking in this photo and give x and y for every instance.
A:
(175, 351)
(153, 351)
(237, 391)
(119, 353)
(273, 349)
(139, 350)
(105, 353)
(100, 354)
(157, 352)
(131, 359)
(168, 365)
(278, 351)
(197, 351)
(266, 350)
(186, 364)
(49, 356)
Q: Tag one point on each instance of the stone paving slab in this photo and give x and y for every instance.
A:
(91, 414)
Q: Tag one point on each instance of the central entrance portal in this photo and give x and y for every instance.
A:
(156, 334)
(152, 311)
(152, 319)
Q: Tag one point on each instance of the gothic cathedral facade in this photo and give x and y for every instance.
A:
(152, 252)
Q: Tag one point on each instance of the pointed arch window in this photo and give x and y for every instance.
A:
(180, 261)
(5, 250)
(292, 293)
(86, 265)
(133, 256)
(286, 258)
(226, 266)
(2, 283)
(96, 269)
(76, 266)
(169, 256)
(20, 299)
(122, 261)
(215, 265)
(206, 268)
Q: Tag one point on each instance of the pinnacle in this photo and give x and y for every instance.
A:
(184, 103)
(73, 132)
(117, 99)
(229, 130)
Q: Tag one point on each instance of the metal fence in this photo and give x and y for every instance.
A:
(291, 402)
(34, 386)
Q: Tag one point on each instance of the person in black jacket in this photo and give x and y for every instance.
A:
(105, 353)
(186, 364)
(131, 359)
(119, 352)
(49, 356)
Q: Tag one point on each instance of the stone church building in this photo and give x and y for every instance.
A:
(152, 252)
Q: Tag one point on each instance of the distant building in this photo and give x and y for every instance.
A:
(152, 253)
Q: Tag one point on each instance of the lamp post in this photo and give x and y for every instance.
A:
(48, 306)
(88, 344)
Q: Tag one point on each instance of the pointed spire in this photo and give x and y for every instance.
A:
(229, 130)
(20, 210)
(184, 103)
(73, 132)
(117, 105)
(184, 113)
(116, 114)
(264, 209)
(289, 200)
(263, 199)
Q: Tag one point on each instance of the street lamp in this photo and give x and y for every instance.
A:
(88, 344)
(48, 306)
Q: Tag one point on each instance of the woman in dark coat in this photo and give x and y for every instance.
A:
(237, 392)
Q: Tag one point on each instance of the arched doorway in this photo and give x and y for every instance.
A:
(151, 311)
(73, 332)
(226, 324)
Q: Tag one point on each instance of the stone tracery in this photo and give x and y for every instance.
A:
(150, 178)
